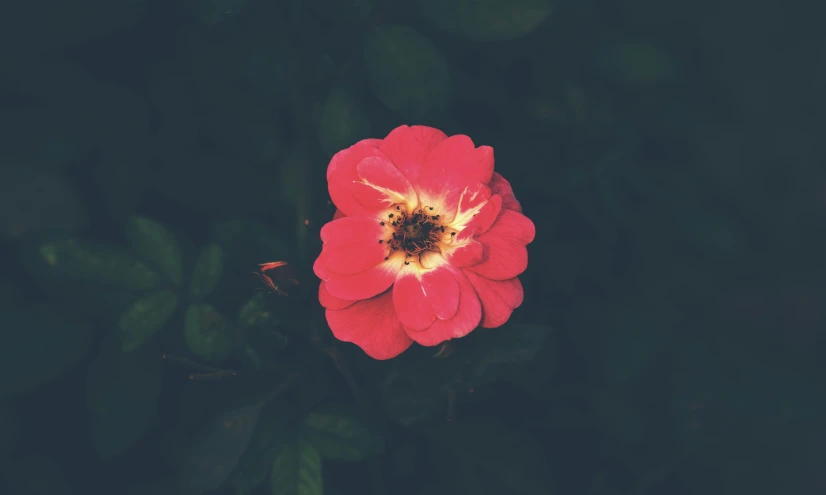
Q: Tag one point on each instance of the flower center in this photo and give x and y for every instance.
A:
(413, 233)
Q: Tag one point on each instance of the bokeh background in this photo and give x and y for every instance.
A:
(155, 151)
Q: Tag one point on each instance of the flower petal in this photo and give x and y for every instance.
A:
(372, 325)
(330, 301)
(366, 284)
(349, 259)
(380, 174)
(338, 214)
(466, 253)
(502, 187)
(499, 298)
(467, 317)
(320, 265)
(348, 230)
(408, 148)
(420, 297)
(504, 244)
(347, 191)
(455, 163)
(481, 221)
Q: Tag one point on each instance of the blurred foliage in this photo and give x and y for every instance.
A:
(156, 152)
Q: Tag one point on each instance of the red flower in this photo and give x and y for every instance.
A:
(427, 242)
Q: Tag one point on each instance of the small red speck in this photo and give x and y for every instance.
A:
(470, 390)
(307, 222)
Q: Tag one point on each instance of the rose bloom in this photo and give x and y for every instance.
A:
(426, 245)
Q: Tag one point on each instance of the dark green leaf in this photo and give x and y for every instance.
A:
(107, 265)
(145, 317)
(343, 120)
(207, 272)
(207, 333)
(256, 312)
(297, 470)
(484, 456)
(39, 343)
(484, 20)
(340, 434)
(272, 431)
(217, 449)
(122, 392)
(9, 431)
(407, 72)
(36, 475)
(156, 244)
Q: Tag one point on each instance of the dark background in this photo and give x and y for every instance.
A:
(155, 151)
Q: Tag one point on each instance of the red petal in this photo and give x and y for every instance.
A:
(466, 254)
(344, 184)
(466, 319)
(499, 298)
(352, 229)
(504, 244)
(338, 214)
(371, 325)
(330, 301)
(502, 187)
(457, 161)
(411, 303)
(483, 219)
(320, 266)
(366, 284)
(408, 148)
(421, 298)
(349, 259)
(381, 175)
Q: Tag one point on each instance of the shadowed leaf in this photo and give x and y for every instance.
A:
(145, 317)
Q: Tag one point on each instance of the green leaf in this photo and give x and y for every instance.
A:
(9, 431)
(39, 343)
(407, 72)
(122, 392)
(636, 63)
(339, 434)
(145, 317)
(297, 470)
(156, 244)
(35, 475)
(483, 456)
(343, 121)
(484, 20)
(103, 264)
(208, 269)
(207, 333)
(272, 431)
(217, 448)
(256, 312)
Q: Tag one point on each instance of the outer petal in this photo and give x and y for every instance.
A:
(408, 148)
(348, 230)
(381, 175)
(499, 298)
(320, 265)
(366, 284)
(330, 301)
(422, 297)
(502, 187)
(351, 245)
(346, 187)
(481, 221)
(338, 214)
(456, 162)
(505, 255)
(466, 319)
(371, 325)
